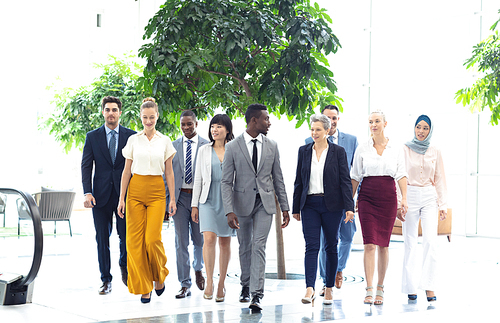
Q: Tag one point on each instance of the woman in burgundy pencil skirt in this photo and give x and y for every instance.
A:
(379, 164)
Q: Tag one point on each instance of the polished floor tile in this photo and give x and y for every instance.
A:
(67, 284)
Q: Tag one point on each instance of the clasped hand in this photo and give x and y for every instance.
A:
(401, 213)
(121, 209)
(349, 216)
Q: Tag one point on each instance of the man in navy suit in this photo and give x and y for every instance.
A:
(184, 169)
(102, 154)
(347, 230)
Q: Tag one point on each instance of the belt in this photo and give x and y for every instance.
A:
(319, 194)
(187, 190)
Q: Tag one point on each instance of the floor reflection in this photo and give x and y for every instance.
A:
(278, 313)
(73, 259)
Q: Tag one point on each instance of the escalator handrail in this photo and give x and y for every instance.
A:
(38, 233)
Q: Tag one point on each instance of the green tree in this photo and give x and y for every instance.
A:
(229, 53)
(485, 91)
(79, 111)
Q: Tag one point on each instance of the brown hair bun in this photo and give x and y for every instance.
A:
(149, 99)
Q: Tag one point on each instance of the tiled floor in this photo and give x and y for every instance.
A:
(66, 287)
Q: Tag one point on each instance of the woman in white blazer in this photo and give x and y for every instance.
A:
(207, 207)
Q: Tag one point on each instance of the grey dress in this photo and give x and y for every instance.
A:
(211, 213)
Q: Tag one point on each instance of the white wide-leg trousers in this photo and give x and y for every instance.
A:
(422, 204)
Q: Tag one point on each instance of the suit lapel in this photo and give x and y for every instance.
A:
(103, 143)
(121, 143)
(341, 138)
(264, 152)
(330, 155)
(121, 138)
(307, 162)
(200, 143)
(244, 150)
(180, 151)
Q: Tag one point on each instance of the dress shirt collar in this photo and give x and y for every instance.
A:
(387, 146)
(194, 139)
(336, 135)
(143, 133)
(248, 138)
(109, 130)
(323, 153)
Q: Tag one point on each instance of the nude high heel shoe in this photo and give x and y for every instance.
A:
(309, 300)
(221, 299)
(206, 296)
(328, 291)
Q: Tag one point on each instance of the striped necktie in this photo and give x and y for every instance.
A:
(189, 168)
(112, 146)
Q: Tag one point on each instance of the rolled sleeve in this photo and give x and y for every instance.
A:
(401, 166)
(357, 167)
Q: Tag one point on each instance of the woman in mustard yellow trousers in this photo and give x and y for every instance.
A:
(148, 154)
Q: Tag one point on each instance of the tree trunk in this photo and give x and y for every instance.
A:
(279, 243)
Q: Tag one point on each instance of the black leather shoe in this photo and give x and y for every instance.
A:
(200, 280)
(183, 293)
(124, 271)
(105, 288)
(255, 304)
(245, 294)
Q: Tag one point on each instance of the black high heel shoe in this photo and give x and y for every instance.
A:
(160, 291)
(146, 300)
(412, 297)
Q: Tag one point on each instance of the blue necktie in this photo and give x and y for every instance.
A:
(189, 174)
(112, 146)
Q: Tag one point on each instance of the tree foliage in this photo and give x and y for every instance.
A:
(229, 53)
(485, 91)
(79, 111)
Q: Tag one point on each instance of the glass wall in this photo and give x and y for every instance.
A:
(406, 58)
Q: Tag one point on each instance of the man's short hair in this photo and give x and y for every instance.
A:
(254, 110)
(331, 107)
(111, 99)
(188, 113)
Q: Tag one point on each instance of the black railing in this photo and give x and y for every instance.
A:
(38, 234)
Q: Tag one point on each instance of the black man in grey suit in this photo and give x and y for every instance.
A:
(251, 175)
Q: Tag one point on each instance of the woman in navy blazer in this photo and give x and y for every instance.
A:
(322, 190)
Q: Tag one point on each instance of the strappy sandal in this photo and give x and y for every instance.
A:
(209, 296)
(309, 300)
(430, 298)
(369, 293)
(380, 293)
